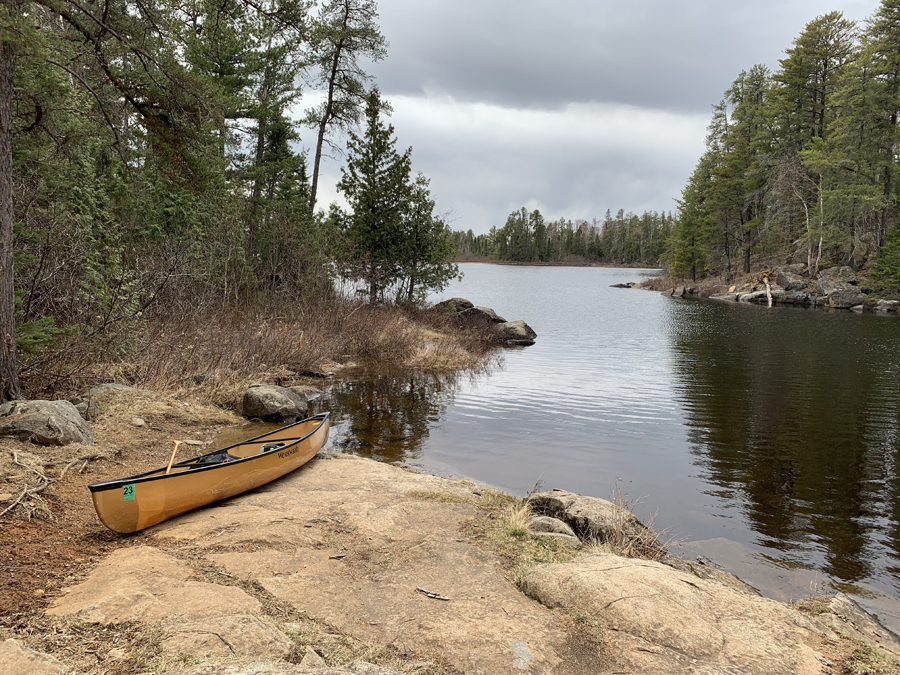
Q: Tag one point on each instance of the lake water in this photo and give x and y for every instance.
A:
(765, 439)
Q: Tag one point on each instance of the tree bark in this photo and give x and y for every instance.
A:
(9, 374)
(323, 125)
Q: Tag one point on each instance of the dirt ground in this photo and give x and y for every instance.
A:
(42, 554)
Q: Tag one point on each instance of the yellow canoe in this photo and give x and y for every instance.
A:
(137, 502)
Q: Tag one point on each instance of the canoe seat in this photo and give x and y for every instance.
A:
(219, 457)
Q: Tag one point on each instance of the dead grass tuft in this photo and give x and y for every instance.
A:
(211, 355)
(867, 660)
(627, 540)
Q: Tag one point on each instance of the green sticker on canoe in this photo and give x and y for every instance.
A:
(128, 492)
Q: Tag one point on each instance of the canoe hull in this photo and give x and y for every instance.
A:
(135, 503)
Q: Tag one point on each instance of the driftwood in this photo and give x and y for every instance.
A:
(30, 491)
(431, 594)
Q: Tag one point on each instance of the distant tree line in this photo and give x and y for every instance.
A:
(527, 237)
(801, 164)
(150, 165)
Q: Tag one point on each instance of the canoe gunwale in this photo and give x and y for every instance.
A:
(155, 475)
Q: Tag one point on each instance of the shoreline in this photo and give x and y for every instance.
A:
(555, 264)
(364, 522)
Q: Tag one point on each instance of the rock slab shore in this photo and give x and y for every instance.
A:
(381, 555)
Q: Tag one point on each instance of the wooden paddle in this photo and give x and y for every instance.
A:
(172, 458)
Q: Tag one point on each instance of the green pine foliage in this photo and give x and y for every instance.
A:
(801, 164)
(393, 239)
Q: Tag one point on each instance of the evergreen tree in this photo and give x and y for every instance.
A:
(344, 33)
(376, 183)
(427, 247)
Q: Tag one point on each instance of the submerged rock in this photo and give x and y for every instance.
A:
(44, 422)
(515, 333)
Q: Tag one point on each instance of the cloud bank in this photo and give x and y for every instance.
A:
(572, 107)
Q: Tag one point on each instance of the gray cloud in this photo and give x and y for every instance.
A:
(574, 106)
(526, 53)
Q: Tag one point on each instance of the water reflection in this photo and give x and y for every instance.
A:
(387, 416)
(795, 419)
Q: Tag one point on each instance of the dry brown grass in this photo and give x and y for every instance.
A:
(625, 539)
(211, 355)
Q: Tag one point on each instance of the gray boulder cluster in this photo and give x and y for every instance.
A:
(835, 287)
(508, 332)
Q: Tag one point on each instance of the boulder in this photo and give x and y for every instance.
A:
(797, 298)
(453, 305)
(548, 524)
(836, 281)
(308, 392)
(272, 403)
(790, 282)
(567, 539)
(87, 408)
(842, 273)
(661, 620)
(887, 306)
(515, 333)
(44, 422)
(109, 387)
(678, 292)
(796, 269)
(631, 285)
(845, 298)
(594, 519)
(482, 313)
(17, 659)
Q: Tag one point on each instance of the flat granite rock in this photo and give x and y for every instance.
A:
(282, 668)
(660, 620)
(144, 584)
(360, 539)
(17, 659)
(238, 635)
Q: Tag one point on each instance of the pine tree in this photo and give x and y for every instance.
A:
(344, 33)
(376, 183)
(427, 246)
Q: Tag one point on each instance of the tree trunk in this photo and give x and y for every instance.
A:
(9, 374)
(326, 116)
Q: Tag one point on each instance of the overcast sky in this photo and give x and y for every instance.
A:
(568, 106)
